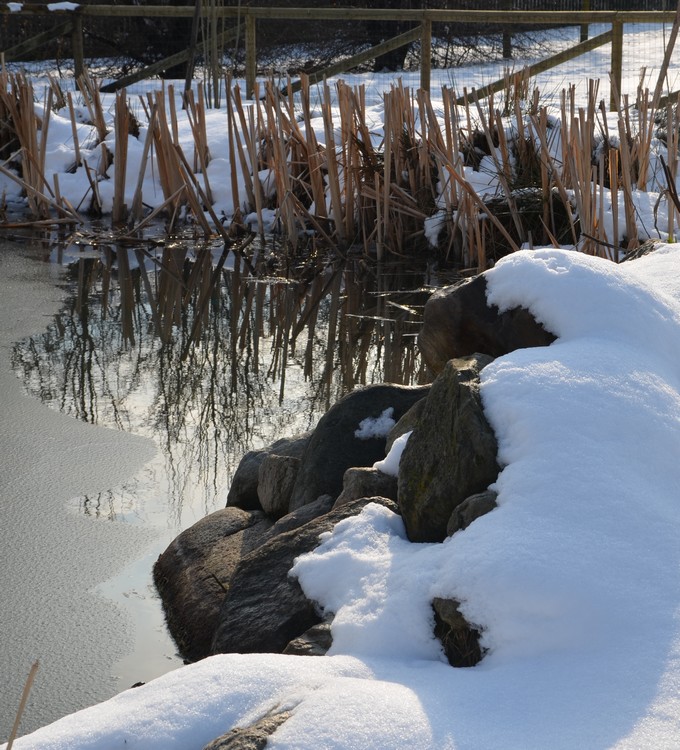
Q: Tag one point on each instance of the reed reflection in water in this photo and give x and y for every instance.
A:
(212, 361)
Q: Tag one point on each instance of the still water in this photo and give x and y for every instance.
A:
(272, 355)
(208, 366)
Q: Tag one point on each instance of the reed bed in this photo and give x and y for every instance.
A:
(405, 192)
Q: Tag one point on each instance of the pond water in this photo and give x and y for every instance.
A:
(207, 371)
(273, 354)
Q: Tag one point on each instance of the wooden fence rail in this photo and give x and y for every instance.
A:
(424, 17)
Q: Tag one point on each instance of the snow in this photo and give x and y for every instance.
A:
(390, 464)
(573, 578)
(372, 427)
(63, 6)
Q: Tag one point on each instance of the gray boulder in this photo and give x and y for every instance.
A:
(407, 423)
(243, 492)
(470, 510)
(313, 642)
(457, 321)
(451, 453)
(276, 479)
(193, 574)
(366, 482)
(265, 608)
(333, 447)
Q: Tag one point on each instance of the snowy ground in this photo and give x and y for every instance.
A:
(573, 579)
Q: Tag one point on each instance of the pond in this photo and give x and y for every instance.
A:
(209, 365)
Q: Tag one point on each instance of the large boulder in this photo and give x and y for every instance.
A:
(193, 574)
(265, 608)
(195, 571)
(457, 321)
(451, 453)
(334, 446)
(243, 492)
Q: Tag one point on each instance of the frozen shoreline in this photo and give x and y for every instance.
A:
(52, 559)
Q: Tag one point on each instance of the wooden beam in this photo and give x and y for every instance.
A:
(540, 67)
(554, 18)
(228, 36)
(361, 57)
(38, 41)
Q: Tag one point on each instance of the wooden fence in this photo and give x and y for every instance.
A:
(71, 22)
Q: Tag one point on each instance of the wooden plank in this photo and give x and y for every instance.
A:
(547, 64)
(361, 57)
(37, 41)
(533, 17)
(228, 36)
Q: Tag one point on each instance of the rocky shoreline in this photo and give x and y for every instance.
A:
(225, 582)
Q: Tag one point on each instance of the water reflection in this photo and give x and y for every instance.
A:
(213, 353)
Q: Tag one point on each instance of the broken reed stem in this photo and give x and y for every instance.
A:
(22, 703)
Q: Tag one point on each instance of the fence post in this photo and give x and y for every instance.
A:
(617, 64)
(425, 55)
(585, 5)
(507, 35)
(251, 56)
(77, 47)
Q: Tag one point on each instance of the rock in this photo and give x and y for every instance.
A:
(265, 608)
(471, 509)
(314, 642)
(276, 478)
(451, 453)
(459, 639)
(406, 424)
(457, 321)
(243, 491)
(253, 737)
(333, 447)
(193, 574)
(366, 482)
(299, 517)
